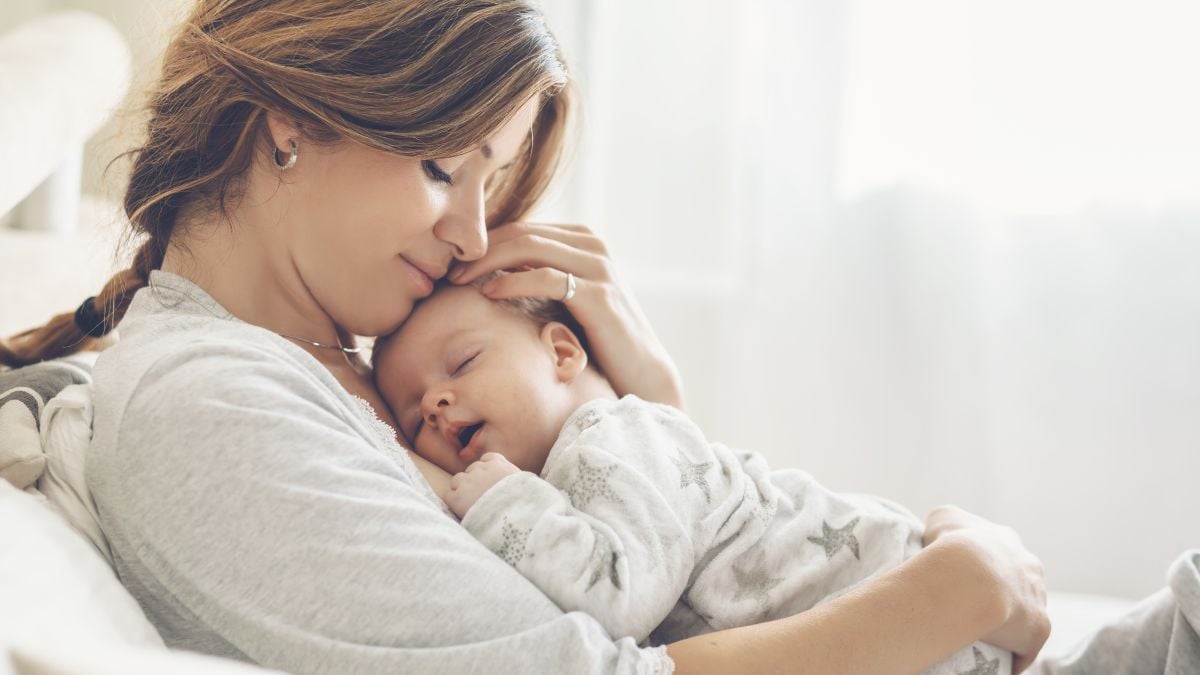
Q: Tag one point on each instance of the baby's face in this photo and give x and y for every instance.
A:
(464, 376)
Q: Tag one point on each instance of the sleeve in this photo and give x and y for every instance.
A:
(610, 533)
(260, 513)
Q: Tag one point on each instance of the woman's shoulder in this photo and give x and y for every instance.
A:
(193, 375)
(198, 356)
(175, 336)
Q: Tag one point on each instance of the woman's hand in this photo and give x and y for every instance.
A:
(1018, 572)
(622, 341)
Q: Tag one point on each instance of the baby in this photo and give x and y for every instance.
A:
(615, 506)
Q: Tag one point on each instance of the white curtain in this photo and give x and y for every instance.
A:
(940, 250)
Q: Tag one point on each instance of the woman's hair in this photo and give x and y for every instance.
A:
(418, 78)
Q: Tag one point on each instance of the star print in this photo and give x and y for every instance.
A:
(693, 474)
(834, 540)
(591, 482)
(514, 540)
(982, 665)
(604, 562)
(586, 421)
(761, 508)
(753, 580)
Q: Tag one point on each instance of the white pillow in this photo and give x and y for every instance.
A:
(54, 589)
(115, 659)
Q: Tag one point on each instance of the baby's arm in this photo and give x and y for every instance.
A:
(627, 568)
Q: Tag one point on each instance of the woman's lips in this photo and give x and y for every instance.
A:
(423, 281)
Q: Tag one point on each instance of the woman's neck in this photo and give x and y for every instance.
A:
(241, 263)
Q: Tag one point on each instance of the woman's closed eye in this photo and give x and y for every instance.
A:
(435, 172)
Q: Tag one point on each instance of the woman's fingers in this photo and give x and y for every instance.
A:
(575, 235)
(534, 251)
(1019, 572)
(543, 282)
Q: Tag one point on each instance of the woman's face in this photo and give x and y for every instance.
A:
(369, 231)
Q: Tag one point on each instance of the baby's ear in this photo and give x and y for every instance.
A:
(569, 357)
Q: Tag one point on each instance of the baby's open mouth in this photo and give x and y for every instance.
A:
(467, 433)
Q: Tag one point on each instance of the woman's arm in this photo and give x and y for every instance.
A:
(973, 581)
(621, 338)
(255, 519)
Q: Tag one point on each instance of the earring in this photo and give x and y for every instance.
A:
(291, 157)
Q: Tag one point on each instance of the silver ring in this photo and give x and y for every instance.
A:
(291, 157)
(570, 287)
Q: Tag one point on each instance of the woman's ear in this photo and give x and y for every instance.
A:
(569, 357)
(281, 129)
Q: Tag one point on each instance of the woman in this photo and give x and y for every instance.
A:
(311, 168)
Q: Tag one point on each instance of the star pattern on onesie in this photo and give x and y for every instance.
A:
(693, 474)
(753, 580)
(591, 482)
(586, 421)
(982, 665)
(604, 562)
(761, 508)
(513, 547)
(834, 539)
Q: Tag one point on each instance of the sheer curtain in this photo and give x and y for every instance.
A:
(942, 251)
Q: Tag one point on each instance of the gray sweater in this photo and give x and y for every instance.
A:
(259, 511)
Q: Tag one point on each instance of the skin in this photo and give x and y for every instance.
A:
(282, 259)
(463, 360)
(462, 367)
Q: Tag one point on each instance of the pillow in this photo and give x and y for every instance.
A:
(55, 590)
(115, 659)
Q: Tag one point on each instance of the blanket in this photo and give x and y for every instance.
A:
(24, 393)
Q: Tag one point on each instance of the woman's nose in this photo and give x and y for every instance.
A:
(465, 226)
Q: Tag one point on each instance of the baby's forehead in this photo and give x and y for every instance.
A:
(449, 310)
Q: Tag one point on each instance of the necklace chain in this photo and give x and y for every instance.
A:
(339, 347)
(155, 288)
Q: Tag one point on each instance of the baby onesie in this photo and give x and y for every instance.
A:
(640, 521)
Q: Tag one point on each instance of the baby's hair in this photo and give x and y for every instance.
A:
(539, 311)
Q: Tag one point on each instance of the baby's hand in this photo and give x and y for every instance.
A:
(467, 487)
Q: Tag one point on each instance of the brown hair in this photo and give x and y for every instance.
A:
(419, 78)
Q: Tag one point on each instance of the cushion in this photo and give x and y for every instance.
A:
(117, 659)
(56, 590)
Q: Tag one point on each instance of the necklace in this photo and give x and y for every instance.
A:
(155, 288)
(347, 350)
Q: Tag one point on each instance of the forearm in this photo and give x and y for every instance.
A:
(901, 622)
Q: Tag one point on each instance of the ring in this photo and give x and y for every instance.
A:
(570, 287)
